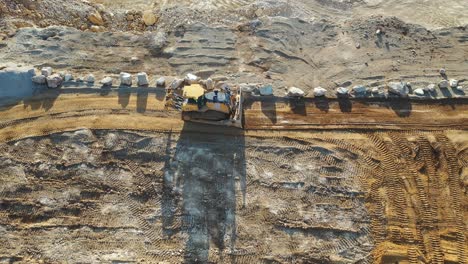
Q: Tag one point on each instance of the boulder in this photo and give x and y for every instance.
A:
(96, 19)
(191, 78)
(359, 89)
(430, 88)
(149, 18)
(161, 82)
(107, 81)
(266, 90)
(454, 83)
(39, 79)
(209, 84)
(398, 88)
(142, 79)
(342, 91)
(90, 79)
(295, 92)
(54, 81)
(125, 79)
(319, 91)
(419, 92)
(68, 77)
(177, 83)
(46, 71)
(444, 84)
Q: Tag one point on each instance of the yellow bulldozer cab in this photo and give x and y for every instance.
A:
(193, 91)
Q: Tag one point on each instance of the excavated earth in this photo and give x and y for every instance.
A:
(110, 175)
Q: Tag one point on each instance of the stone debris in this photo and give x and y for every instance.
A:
(107, 81)
(125, 79)
(454, 83)
(359, 89)
(39, 79)
(398, 88)
(266, 90)
(430, 88)
(149, 18)
(191, 78)
(142, 79)
(54, 81)
(161, 82)
(96, 19)
(295, 92)
(177, 83)
(319, 91)
(442, 71)
(67, 77)
(46, 71)
(342, 91)
(209, 84)
(90, 79)
(444, 84)
(419, 92)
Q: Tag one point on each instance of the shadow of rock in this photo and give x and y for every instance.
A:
(124, 95)
(142, 99)
(298, 106)
(268, 106)
(346, 106)
(322, 103)
(401, 106)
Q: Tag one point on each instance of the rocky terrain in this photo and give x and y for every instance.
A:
(370, 167)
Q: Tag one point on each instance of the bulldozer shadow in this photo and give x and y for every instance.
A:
(204, 180)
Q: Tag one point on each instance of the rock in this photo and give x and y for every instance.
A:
(191, 78)
(375, 90)
(444, 84)
(266, 90)
(107, 81)
(149, 18)
(378, 32)
(95, 28)
(430, 88)
(39, 79)
(454, 83)
(161, 82)
(142, 79)
(295, 92)
(342, 91)
(359, 89)
(358, 45)
(68, 77)
(125, 79)
(46, 71)
(54, 81)
(460, 89)
(158, 42)
(319, 91)
(16, 82)
(419, 92)
(96, 19)
(90, 78)
(177, 83)
(134, 60)
(442, 71)
(80, 79)
(248, 88)
(398, 88)
(209, 84)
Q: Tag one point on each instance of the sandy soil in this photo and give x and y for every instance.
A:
(109, 175)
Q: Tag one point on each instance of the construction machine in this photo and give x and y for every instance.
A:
(213, 107)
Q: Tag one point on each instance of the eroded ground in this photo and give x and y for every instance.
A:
(123, 196)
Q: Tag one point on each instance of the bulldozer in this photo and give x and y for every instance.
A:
(216, 107)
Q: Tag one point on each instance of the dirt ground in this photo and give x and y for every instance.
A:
(92, 174)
